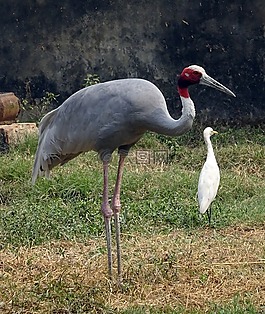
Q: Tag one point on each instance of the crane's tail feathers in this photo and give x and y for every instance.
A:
(44, 161)
(42, 166)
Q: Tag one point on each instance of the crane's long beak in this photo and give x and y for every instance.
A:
(209, 81)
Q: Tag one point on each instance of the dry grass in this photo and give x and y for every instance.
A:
(193, 270)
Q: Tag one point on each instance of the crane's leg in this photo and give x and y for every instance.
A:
(107, 213)
(116, 206)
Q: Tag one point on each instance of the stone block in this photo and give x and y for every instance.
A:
(11, 134)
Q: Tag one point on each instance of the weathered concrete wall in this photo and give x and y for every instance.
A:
(54, 44)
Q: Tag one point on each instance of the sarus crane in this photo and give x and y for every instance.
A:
(109, 116)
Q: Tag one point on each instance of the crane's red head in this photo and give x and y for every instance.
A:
(195, 74)
(189, 76)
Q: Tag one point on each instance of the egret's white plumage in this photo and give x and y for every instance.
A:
(209, 177)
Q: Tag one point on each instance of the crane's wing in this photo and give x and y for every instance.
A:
(208, 185)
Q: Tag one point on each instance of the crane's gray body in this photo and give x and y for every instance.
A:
(103, 117)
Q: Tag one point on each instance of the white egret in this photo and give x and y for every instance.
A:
(209, 177)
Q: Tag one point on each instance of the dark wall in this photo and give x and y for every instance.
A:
(55, 44)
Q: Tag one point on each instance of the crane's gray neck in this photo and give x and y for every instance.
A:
(184, 123)
(171, 127)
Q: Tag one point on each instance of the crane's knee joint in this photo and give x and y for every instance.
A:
(105, 156)
(106, 211)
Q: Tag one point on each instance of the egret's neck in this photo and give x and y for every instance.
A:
(210, 152)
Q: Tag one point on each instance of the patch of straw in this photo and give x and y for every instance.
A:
(193, 270)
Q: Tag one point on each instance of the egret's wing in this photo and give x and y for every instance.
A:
(208, 185)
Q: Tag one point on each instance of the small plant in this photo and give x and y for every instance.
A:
(91, 79)
(48, 99)
(34, 109)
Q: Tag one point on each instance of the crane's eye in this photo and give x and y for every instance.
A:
(196, 72)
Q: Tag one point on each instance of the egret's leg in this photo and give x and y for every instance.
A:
(107, 213)
(220, 209)
(116, 206)
(209, 214)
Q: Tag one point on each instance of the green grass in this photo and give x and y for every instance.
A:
(68, 206)
(155, 199)
(233, 307)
